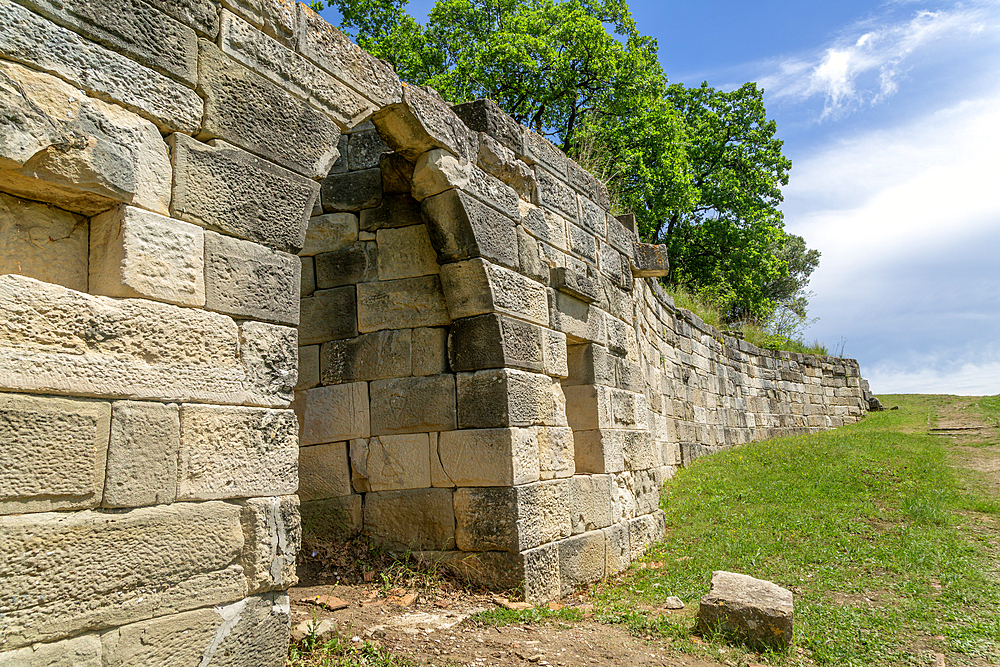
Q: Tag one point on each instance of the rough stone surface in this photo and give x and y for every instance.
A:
(499, 398)
(43, 242)
(497, 160)
(555, 451)
(582, 560)
(405, 303)
(268, 352)
(591, 499)
(142, 455)
(391, 463)
(541, 573)
(273, 537)
(330, 314)
(462, 227)
(438, 170)
(422, 122)
(55, 451)
(248, 280)
(347, 266)
(750, 610)
(429, 351)
(365, 149)
(486, 519)
(650, 261)
(543, 512)
(618, 555)
(476, 287)
(328, 233)
(333, 414)
(415, 519)
(336, 518)
(83, 651)
(374, 356)
(221, 187)
(489, 457)
(352, 190)
(202, 15)
(324, 472)
(396, 210)
(405, 252)
(486, 116)
(236, 452)
(413, 405)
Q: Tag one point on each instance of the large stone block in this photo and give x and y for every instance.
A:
(219, 186)
(324, 471)
(333, 414)
(365, 148)
(142, 454)
(396, 210)
(430, 351)
(415, 519)
(582, 560)
(590, 364)
(131, 27)
(347, 266)
(555, 452)
(135, 253)
(335, 518)
(594, 219)
(248, 280)
(495, 341)
(292, 71)
(486, 519)
(487, 117)
(541, 573)
(269, 353)
(543, 512)
(599, 451)
(236, 452)
(331, 232)
(503, 397)
(57, 340)
(249, 111)
(51, 133)
(462, 227)
(422, 122)
(489, 457)
(754, 611)
(492, 569)
(330, 314)
(650, 261)
(374, 356)
(202, 15)
(438, 170)
(593, 407)
(413, 405)
(55, 450)
(497, 160)
(405, 252)
(618, 554)
(476, 287)
(398, 304)
(352, 190)
(391, 462)
(578, 319)
(644, 530)
(32, 40)
(44, 242)
(83, 651)
(125, 567)
(555, 195)
(273, 536)
(544, 225)
(251, 631)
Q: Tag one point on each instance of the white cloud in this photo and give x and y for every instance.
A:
(969, 379)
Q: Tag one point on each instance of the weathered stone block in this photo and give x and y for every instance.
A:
(644, 530)
(543, 512)
(412, 519)
(590, 364)
(555, 451)
(44, 242)
(649, 261)
(330, 314)
(541, 573)
(249, 111)
(202, 15)
(126, 566)
(269, 354)
(495, 341)
(430, 353)
(421, 122)
(594, 219)
(462, 227)
(487, 117)
(397, 210)
(248, 280)
(374, 356)
(590, 502)
(142, 455)
(555, 353)
(391, 462)
(336, 518)
(618, 554)
(406, 303)
(503, 397)
(545, 225)
(32, 40)
(83, 651)
(757, 612)
(476, 287)
(496, 569)
(577, 285)
(578, 319)
(599, 451)
(273, 536)
(365, 148)
(582, 560)
(497, 160)
(352, 190)
(583, 182)
(324, 471)
(413, 405)
(486, 519)
(122, 154)
(620, 237)
(348, 266)
(489, 457)
(135, 253)
(329, 233)
(438, 170)
(333, 414)
(582, 243)
(54, 454)
(638, 450)
(555, 195)
(405, 252)
(539, 150)
(219, 186)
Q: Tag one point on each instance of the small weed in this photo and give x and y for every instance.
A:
(338, 653)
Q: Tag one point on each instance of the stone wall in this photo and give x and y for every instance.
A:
(487, 372)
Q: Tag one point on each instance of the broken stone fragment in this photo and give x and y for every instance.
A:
(759, 613)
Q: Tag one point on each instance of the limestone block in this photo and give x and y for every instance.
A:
(496, 569)
(365, 148)
(248, 280)
(347, 266)
(578, 285)
(543, 512)
(269, 354)
(486, 519)
(397, 210)
(43, 242)
(638, 448)
(555, 195)
(495, 341)
(374, 356)
(202, 15)
(405, 252)
(555, 451)
(577, 318)
(421, 122)
(530, 257)
(55, 453)
(545, 225)
(135, 253)
(430, 351)
(555, 352)
(251, 631)
(32, 40)
(247, 110)
(236, 452)
(330, 314)
(125, 566)
(591, 502)
(52, 133)
(541, 573)
(644, 530)
(83, 651)
(503, 397)
(497, 160)
(132, 28)
(336, 518)
(595, 220)
(391, 462)
(582, 559)
(487, 117)
(307, 279)
(324, 471)
(489, 457)
(461, 227)
(649, 261)
(331, 232)
(219, 186)
(405, 303)
(293, 72)
(598, 451)
(57, 340)
(539, 150)
(333, 414)
(582, 243)
(620, 336)
(411, 519)
(583, 182)
(142, 455)
(352, 190)
(329, 48)
(620, 237)
(759, 613)
(590, 364)
(618, 555)
(438, 170)
(476, 287)
(273, 536)
(413, 405)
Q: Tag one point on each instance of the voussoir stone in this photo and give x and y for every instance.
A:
(423, 122)
(751, 610)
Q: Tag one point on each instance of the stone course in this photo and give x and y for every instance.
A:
(256, 291)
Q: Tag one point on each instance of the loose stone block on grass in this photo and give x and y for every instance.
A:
(749, 610)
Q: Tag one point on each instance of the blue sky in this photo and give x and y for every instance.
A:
(890, 113)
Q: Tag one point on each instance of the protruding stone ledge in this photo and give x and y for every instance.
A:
(649, 261)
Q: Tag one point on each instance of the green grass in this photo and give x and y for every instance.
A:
(341, 653)
(989, 407)
(865, 524)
